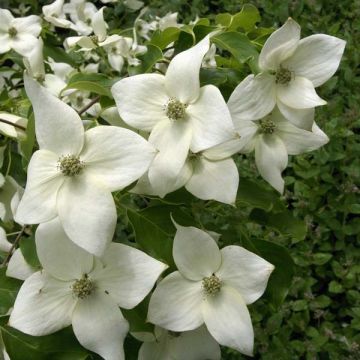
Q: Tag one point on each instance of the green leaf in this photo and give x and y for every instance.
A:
(284, 222)
(61, 345)
(252, 194)
(246, 18)
(148, 60)
(28, 249)
(9, 288)
(237, 44)
(162, 39)
(321, 258)
(281, 278)
(95, 83)
(27, 145)
(223, 19)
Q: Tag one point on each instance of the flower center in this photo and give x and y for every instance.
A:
(283, 76)
(211, 285)
(267, 126)
(83, 287)
(175, 110)
(12, 32)
(94, 39)
(40, 78)
(70, 165)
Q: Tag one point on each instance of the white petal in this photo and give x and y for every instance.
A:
(99, 25)
(172, 139)
(225, 149)
(182, 76)
(116, 61)
(87, 212)
(299, 94)
(210, 119)
(228, 320)
(54, 84)
(214, 180)
(271, 159)
(58, 255)
(298, 141)
(301, 118)
(317, 58)
(24, 43)
(280, 45)
(5, 245)
(5, 20)
(43, 305)
(141, 100)
(129, 274)
(100, 327)
(5, 42)
(176, 303)
(10, 130)
(253, 98)
(58, 126)
(115, 156)
(38, 203)
(195, 253)
(10, 194)
(29, 25)
(18, 268)
(244, 271)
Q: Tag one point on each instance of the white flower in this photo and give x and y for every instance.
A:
(54, 14)
(18, 268)
(74, 172)
(10, 193)
(81, 12)
(189, 345)
(290, 70)
(209, 58)
(99, 38)
(180, 115)
(209, 175)
(213, 287)
(10, 130)
(169, 20)
(274, 138)
(19, 34)
(76, 288)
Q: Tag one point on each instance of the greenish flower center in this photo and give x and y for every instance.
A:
(94, 39)
(40, 78)
(283, 76)
(70, 165)
(267, 126)
(175, 109)
(83, 287)
(12, 32)
(211, 285)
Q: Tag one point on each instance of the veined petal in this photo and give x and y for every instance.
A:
(141, 100)
(210, 119)
(228, 320)
(128, 275)
(298, 141)
(23, 43)
(299, 94)
(301, 118)
(58, 126)
(214, 180)
(116, 156)
(176, 303)
(28, 25)
(271, 160)
(244, 271)
(99, 25)
(195, 253)
(43, 305)
(280, 45)
(182, 77)
(87, 213)
(58, 255)
(316, 58)
(100, 327)
(5, 43)
(253, 98)
(18, 268)
(172, 139)
(38, 203)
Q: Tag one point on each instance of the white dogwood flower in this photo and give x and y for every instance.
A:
(54, 14)
(180, 115)
(213, 287)
(77, 288)
(196, 344)
(19, 34)
(274, 138)
(291, 69)
(74, 172)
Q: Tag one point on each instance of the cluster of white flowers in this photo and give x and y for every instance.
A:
(188, 135)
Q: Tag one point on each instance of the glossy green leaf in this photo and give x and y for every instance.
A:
(148, 60)
(28, 249)
(162, 39)
(246, 18)
(9, 288)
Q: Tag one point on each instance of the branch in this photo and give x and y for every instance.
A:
(89, 105)
(12, 124)
(16, 242)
